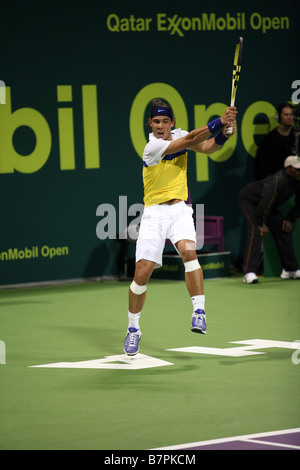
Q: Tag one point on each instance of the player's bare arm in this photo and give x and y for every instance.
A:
(198, 136)
(210, 146)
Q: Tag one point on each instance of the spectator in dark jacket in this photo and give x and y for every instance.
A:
(260, 202)
(276, 146)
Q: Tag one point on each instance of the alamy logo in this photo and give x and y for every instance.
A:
(2, 352)
(296, 95)
(296, 354)
(114, 224)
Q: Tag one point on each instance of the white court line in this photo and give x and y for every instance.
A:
(276, 444)
(229, 439)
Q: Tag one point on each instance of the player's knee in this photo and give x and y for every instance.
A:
(192, 265)
(143, 271)
(187, 250)
(137, 288)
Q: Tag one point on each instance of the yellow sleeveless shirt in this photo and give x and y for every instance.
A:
(165, 177)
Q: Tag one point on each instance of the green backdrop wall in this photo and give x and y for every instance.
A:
(79, 79)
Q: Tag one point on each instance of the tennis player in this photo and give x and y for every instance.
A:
(166, 215)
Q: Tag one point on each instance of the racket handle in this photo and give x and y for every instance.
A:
(232, 101)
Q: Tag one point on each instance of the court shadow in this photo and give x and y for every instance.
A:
(274, 355)
(22, 302)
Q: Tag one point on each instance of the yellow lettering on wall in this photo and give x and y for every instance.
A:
(11, 160)
(66, 129)
(250, 129)
(202, 116)
(137, 113)
(90, 126)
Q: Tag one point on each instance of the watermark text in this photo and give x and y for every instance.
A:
(2, 352)
(115, 222)
(296, 354)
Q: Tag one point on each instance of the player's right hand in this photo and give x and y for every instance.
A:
(229, 115)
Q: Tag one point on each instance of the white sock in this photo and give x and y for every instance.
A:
(134, 320)
(198, 302)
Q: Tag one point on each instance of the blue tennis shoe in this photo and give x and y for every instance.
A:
(199, 322)
(131, 345)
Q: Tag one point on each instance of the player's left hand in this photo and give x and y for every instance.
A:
(231, 126)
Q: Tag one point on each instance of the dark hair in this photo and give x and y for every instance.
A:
(280, 107)
(158, 102)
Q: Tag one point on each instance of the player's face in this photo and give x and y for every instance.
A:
(287, 116)
(161, 127)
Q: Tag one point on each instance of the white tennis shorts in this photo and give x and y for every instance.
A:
(160, 222)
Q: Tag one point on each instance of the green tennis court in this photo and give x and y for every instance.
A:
(177, 397)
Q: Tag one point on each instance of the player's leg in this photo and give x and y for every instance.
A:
(149, 250)
(138, 289)
(183, 236)
(193, 270)
(194, 283)
(137, 297)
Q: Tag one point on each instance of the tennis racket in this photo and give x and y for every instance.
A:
(237, 63)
